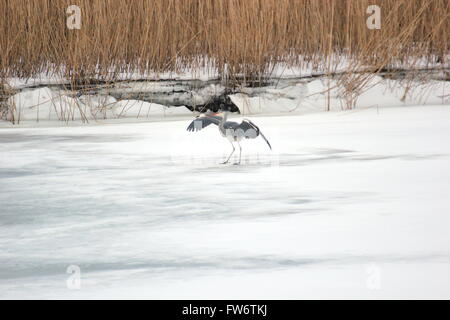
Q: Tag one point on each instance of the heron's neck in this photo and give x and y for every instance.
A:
(225, 116)
(222, 122)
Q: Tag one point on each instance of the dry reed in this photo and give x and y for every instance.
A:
(237, 37)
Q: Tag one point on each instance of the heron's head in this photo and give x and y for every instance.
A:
(223, 109)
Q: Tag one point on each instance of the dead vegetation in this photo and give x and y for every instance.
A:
(238, 36)
(241, 39)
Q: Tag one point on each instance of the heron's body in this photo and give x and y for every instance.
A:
(231, 130)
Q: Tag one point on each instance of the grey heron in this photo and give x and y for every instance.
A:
(232, 131)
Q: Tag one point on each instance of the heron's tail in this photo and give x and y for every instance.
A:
(265, 139)
(258, 131)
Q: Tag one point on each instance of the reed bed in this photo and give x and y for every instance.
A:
(234, 37)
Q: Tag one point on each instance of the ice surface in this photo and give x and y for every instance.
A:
(350, 204)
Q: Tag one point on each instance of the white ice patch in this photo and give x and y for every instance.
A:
(378, 92)
(43, 104)
(99, 106)
(269, 100)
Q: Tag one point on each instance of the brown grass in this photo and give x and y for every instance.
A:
(247, 36)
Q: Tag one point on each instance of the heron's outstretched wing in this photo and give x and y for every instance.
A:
(247, 124)
(204, 121)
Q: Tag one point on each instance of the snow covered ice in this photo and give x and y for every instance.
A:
(351, 204)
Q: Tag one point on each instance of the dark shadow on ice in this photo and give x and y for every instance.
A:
(316, 156)
(51, 138)
(213, 263)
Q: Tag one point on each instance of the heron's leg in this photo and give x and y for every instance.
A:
(240, 153)
(226, 161)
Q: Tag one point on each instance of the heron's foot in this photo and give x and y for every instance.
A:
(236, 164)
(225, 162)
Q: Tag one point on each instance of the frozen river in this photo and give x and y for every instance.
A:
(347, 205)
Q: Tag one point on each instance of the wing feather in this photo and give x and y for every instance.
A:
(203, 121)
(247, 124)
